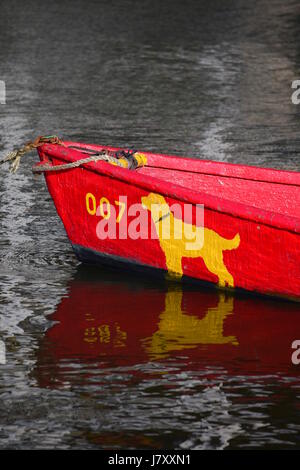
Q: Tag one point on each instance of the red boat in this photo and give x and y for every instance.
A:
(247, 218)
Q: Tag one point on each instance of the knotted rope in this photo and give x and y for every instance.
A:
(15, 156)
(122, 159)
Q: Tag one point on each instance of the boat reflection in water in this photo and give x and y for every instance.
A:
(114, 321)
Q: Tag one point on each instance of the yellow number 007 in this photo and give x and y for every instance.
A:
(91, 206)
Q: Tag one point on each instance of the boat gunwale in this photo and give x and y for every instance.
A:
(207, 167)
(173, 190)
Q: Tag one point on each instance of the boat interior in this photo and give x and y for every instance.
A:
(277, 197)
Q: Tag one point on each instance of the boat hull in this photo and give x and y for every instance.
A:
(103, 209)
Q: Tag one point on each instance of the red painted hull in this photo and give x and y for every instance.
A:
(251, 218)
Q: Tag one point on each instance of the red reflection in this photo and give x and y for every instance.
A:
(128, 322)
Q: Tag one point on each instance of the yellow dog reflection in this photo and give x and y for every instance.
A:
(177, 330)
(175, 247)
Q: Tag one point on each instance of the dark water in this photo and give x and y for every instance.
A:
(96, 359)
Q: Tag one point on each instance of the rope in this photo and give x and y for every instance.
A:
(123, 159)
(15, 156)
(76, 164)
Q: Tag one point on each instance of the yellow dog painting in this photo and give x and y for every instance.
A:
(175, 247)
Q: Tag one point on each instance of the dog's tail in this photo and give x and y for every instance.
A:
(232, 244)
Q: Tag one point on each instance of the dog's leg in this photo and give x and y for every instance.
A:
(226, 279)
(216, 266)
(173, 262)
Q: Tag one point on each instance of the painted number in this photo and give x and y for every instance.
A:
(122, 206)
(90, 202)
(104, 207)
